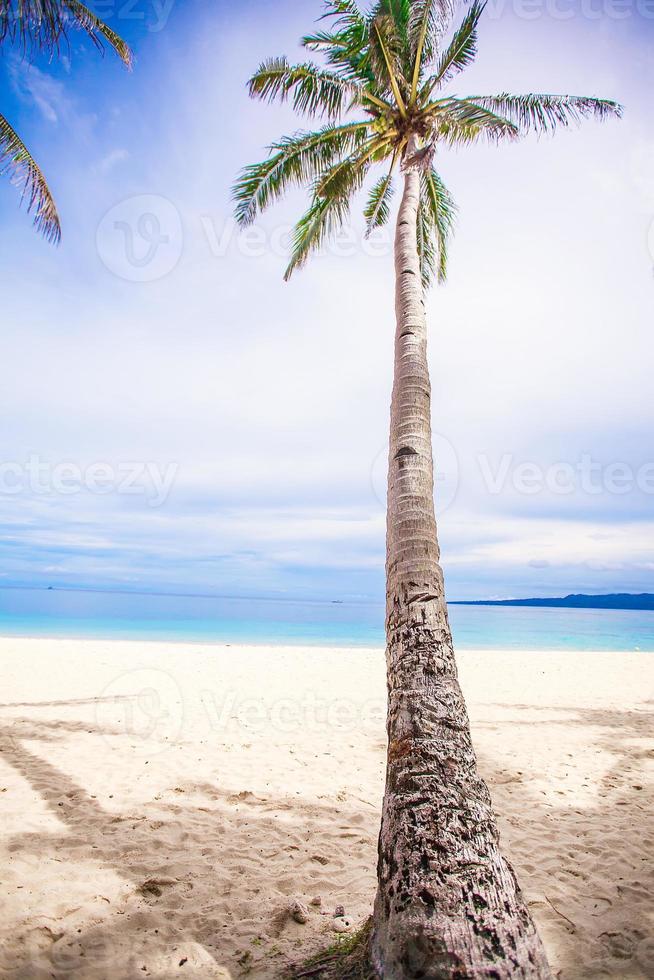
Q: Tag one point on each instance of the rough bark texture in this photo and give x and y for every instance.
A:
(448, 905)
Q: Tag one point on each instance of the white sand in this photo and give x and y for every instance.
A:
(161, 804)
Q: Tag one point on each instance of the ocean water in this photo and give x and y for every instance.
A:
(107, 615)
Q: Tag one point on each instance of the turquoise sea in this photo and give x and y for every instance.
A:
(107, 615)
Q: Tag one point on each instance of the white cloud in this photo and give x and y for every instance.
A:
(32, 85)
(112, 159)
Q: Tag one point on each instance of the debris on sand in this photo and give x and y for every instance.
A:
(299, 912)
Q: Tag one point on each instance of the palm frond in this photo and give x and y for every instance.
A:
(294, 160)
(38, 24)
(441, 214)
(324, 216)
(426, 245)
(461, 51)
(314, 92)
(43, 24)
(385, 60)
(342, 52)
(97, 30)
(346, 14)
(347, 176)
(376, 60)
(20, 165)
(398, 12)
(332, 193)
(460, 121)
(377, 210)
(428, 20)
(345, 47)
(543, 113)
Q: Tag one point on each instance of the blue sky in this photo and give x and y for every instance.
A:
(241, 421)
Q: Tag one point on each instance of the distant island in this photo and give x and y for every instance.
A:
(621, 600)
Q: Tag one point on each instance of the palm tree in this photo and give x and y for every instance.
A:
(42, 26)
(448, 904)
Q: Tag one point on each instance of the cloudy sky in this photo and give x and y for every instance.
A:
(173, 416)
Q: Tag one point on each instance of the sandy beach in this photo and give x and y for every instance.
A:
(161, 805)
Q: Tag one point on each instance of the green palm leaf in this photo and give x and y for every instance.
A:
(376, 61)
(43, 24)
(346, 46)
(314, 92)
(347, 16)
(17, 162)
(428, 20)
(377, 210)
(32, 23)
(294, 160)
(347, 176)
(543, 113)
(97, 30)
(461, 51)
(331, 203)
(426, 247)
(399, 14)
(324, 216)
(386, 60)
(461, 121)
(440, 215)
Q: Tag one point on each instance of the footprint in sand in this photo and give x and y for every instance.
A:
(154, 887)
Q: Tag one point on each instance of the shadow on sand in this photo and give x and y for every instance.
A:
(203, 871)
(206, 873)
(584, 864)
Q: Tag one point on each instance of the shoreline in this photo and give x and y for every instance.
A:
(303, 644)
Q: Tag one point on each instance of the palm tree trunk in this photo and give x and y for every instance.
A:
(448, 904)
